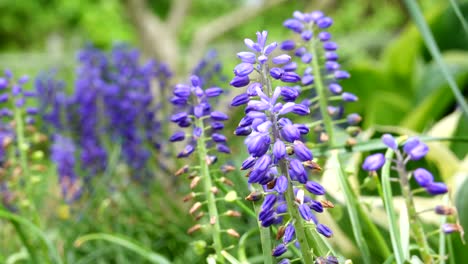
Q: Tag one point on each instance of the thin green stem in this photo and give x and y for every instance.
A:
(210, 198)
(352, 203)
(388, 203)
(416, 225)
(265, 238)
(459, 15)
(442, 236)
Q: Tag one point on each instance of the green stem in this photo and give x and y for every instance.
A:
(210, 198)
(352, 203)
(265, 238)
(24, 239)
(388, 203)
(416, 225)
(442, 236)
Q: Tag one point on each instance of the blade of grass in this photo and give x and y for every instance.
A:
(388, 202)
(17, 221)
(126, 243)
(420, 22)
(459, 15)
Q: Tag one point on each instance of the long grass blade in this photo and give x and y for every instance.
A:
(126, 243)
(459, 15)
(420, 22)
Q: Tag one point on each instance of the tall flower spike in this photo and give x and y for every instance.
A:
(200, 128)
(269, 133)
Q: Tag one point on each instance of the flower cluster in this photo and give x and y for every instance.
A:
(194, 110)
(17, 95)
(413, 149)
(209, 70)
(317, 54)
(278, 159)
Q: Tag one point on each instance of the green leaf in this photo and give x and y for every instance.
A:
(126, 243)
(35, 230)
(435, 52)
(229, 257)
(404, 230)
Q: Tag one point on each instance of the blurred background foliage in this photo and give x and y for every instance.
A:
(400, 89)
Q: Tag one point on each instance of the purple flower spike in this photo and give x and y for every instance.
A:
(279, 250)
(240, 81)
(324, 230)
(324, 22)
(390, 141)
(423, 177)
(373, 162)
(436, 188)
(315, 188)
(243, 69)
(281, 59)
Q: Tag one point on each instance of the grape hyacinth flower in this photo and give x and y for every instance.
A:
(412, 149)
(201, 129)
(279, 159)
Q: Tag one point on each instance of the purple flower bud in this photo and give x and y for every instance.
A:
(258, 145)
(297, 170)
(198, 111)
(189, 149)
(182, 90)
(279, 150)
(3, 98)
(262, 37)
(324, 22)
(252, 89)
(3, 83)
(279, 250)
(306, 57)
(217, 125)
(373, 162)
(307, 79)
(281, 184)
(324, 230)
(289, 93)
(268, 202)
(294, 24)
(6, 112)
(281, 59)
(290, 133)
(330, 46)
(197, 132)
(301, 151)
(300, 109)
(303, 129)
(423, 177)
(410, 144)
(240, 81)
(342, 75)
(390, 141)
(252, 45)
(353, 119)
(243, 69)
(248, 163)
(290, 77)
(289, 233)
(223, 148)
(306, 213)
(332, 260)
(419, 151)
(324, 36)
(247, 57)
(177, 136)
(288, 45)
(262, 163)
(306, 35)
(335, 88)
(16, 90)
(332, 66)
(213, 92)
(436, 188)
(300, 51)
(331, 56)
(276, 73)
(240, 100)
(243, 131)
(218, 138)
(178, 117)
(175, 100)
(314, 188)
(270, 48)
(219, 116)
(195, 80)
(316, 15)
(292, 66)
(23, 79)
(449, 228)
(262, 59)
(316, 206)
(349, 97)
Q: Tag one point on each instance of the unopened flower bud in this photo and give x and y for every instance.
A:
(182, 170)
(444, 210)
(193, 229)
(195, 207)
(254, 196)
(280, 232)
(232, 233)
(194, 182)
(232, 213)
(188, 197)
(327, 204)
